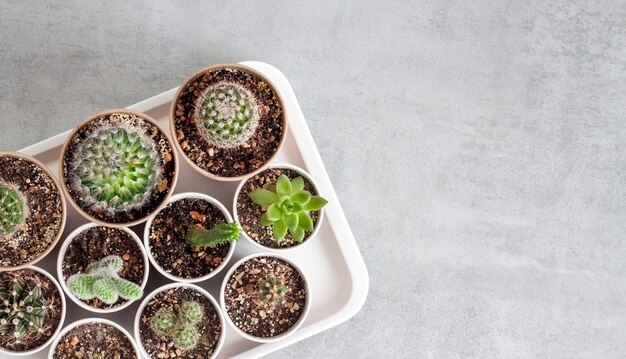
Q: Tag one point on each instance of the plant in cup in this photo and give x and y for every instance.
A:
(220, 234)
(179, 327)
(287, 206)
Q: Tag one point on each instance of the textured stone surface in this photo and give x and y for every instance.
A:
(478, 148)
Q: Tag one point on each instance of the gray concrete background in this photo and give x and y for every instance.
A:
(478, 148)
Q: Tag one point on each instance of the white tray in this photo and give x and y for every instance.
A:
(332, 261)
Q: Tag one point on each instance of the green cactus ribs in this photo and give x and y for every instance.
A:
(179, 327)
(117, 168)
(12, 209)
(272, 290)
(24, 311)
(227, 114)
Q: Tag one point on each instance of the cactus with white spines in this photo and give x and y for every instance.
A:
(101, 280)
(24, 311)
(227, 114)
(272, 290)
(116, 168)
(179, 327)
(12, 209)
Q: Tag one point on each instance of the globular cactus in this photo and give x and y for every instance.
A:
(180, 328)
(102, 281)
(116, 168)
(227, 114)
(272, 290)
(220, 234)
(12, 209)
(23, 309)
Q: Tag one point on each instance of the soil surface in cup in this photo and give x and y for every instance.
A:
(94, 340)
(244, 304)
(249, 212)
(209, 328)
(158, 193)
(238, 160)
(51, 319)
(97, 242)
(167, 238)
(42, 213)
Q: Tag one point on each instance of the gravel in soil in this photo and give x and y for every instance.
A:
(249, 313)
(44, 213)
(242, 159)
(96, 243)
(209, 327)
(167, 238)
(51, 320)
(166, 160)
(94, 340)
(249, 213)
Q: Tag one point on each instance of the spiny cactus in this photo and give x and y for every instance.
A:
(23, 310)
(102, 281)
(180, 328)
(227, 114)
(288, 207)
(116, 168)
(220, 234)
(272, 290)
(12, 208)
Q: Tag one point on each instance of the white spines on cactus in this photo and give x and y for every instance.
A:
(227, 114)
(13, 209)
(116, 168)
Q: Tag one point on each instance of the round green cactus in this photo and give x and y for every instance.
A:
(185, 337)
(12, 208)
(227, 114)
(272, 290)
(117, 168)
(190, 312)
(23, 309)
(163, 322)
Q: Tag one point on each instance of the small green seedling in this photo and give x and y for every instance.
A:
(102, 281)
(272, 290)
(179, 327)
(220, 234)
(12, 207)
(288, 208)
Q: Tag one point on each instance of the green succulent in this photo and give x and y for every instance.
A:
(23, 309)
(116, 169)
(288, 207)
(220, 234)
(179, 327)
(227, 114)
(272, 290)
(12, 209)
(102, 281)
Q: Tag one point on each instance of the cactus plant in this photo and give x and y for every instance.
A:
(102, 281)
(272, 290)
(227, 114)
(219, 234)
(116, 168)
(23, 309)
(12, 209)
(288, 207)
(180, 328)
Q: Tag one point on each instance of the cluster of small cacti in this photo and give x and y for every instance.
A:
(101, 280)
(227, 114)
(179, 327)
(23, 310)
(272, 290)
(116, 168)
(12, 209)
(220, 234)
(288, 207)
